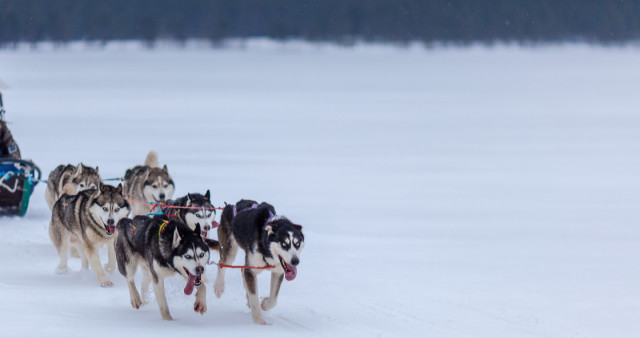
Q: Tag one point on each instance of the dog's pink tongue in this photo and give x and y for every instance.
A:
(214, 224)
(188, 290)
(291, 272)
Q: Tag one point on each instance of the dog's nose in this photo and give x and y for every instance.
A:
(295, 261)
(162, 196)
(110, 221)
(199, 270)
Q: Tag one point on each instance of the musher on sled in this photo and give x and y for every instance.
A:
(17, 177)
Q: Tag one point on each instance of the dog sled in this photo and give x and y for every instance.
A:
(17, 180)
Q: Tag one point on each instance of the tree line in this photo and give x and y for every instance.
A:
(342, 21)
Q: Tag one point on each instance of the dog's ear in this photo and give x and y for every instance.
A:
(79, 170)
(176, 238)
(207, 196)
(96, 193)
(198, 231)
(103, 188)
(188, 199)
(165, 169)
(96, 170)
(271, 229)
(297, 226)
(118, 189)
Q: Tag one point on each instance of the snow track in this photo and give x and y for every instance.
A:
(444, 193)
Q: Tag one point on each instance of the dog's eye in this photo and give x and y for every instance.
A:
(201, 254)
(155, 186)
(284, 244)
(297, 244)
(199, 215)
(105, 208)
(81, 185)
(117, 209)
(93, 186)
(166, 186)
(208, 215)
(187, 256)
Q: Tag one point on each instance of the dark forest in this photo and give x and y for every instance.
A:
(340, 21)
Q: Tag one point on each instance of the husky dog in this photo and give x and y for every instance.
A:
(194, 209)
(69, 179)
(268, 240)
(148, 183)
(86, 221)
(163, 248)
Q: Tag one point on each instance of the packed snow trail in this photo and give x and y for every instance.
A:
(474, 192)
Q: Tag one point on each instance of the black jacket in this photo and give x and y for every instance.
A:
(8, 147)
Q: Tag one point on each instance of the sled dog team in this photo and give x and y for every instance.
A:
(87, 214)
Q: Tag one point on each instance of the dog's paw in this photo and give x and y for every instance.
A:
(267, 304)
(62, 270)
(259, 320)
(109, 268)
(218, 288)
(136, 303)
(200, 307)
(106, 284)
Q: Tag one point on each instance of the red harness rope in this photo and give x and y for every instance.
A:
(222, 265)
(162, 205)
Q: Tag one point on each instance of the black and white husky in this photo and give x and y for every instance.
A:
(194, 210)
(268, 240)
(69, 179)
(85, 222)
(148, 183)
(162, 248)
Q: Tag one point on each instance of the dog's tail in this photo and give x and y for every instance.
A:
(227, 216)
(151, 160)
(124, 244)
(212, 244)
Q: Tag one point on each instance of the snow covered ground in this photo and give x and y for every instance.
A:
(447, 192)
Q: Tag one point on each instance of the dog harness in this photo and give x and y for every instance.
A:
(235, 211)
(162, 226)
(271, 217)
(267, 266)
(255, 206)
